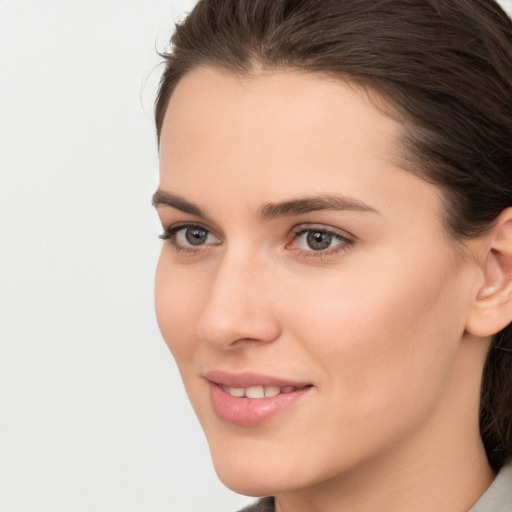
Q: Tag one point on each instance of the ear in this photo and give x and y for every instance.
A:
(492, 306)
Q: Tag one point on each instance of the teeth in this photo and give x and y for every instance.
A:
(255, 392)
(272, 390)
(258, 391)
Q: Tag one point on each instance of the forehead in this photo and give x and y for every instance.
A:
(273, 118)
(215, 87)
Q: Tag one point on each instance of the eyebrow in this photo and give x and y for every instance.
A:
(161, 198)
(304, 205)
(270, 211)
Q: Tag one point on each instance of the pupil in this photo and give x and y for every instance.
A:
(196, 236)
(318, 240)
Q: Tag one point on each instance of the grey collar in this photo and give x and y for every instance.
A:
(498, 498)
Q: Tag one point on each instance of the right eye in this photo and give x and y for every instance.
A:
(189, 237)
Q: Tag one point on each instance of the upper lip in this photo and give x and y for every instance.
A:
(249, 379)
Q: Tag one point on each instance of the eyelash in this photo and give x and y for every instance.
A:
(346, 241)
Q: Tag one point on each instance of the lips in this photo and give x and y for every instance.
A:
(249, 399)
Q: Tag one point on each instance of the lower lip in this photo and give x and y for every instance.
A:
(251, 412)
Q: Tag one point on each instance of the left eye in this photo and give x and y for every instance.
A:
(318, 240)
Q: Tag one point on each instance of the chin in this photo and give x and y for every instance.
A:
(252, 467)
(248, 485)
(243, 470)
(253, 480)
(257, 466)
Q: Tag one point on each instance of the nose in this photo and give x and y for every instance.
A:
(239, 306)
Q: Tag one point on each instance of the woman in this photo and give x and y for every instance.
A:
(336, 278)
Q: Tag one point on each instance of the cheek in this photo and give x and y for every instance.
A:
(176, 305)
(382, 334)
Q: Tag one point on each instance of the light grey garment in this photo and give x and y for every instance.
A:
(498, 498)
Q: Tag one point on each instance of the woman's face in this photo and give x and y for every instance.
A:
(304, 264)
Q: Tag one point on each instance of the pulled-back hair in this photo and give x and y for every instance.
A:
(445, 69)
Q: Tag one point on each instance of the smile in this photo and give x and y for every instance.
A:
(256, 392)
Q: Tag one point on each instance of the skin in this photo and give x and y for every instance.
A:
(376, 323)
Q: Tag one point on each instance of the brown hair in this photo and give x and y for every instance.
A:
(445, 66)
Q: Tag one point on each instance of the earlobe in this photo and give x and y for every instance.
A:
(492, 307)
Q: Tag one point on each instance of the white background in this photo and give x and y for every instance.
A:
(93, 417)
(92, 412)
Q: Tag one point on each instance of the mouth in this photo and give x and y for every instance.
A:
(257, 392)
(250, 400)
